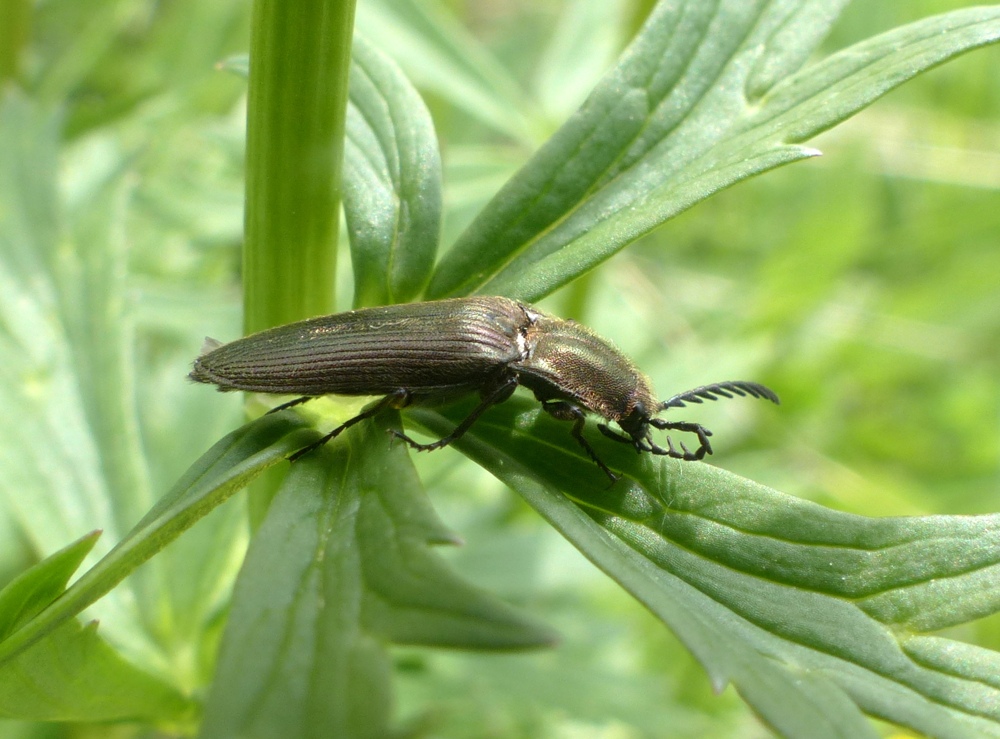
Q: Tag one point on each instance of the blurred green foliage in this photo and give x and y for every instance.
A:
(863, 286)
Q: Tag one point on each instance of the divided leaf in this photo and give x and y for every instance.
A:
(224, 469)
(341, 567)
(35, 588)
(708, 94)
(804, 609)
(74, 675)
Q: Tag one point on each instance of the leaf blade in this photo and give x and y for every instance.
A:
(340, 567)
(751, 580)
(392, 182)
(677, 120)
(225, 468)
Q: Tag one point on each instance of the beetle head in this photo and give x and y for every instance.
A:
(636, 423)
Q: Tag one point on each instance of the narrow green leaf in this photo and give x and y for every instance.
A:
(73, 461)
(340, 567)
(828, 605)
(225, 468)
(441, 56)
(586, 39)
(709, 93)
(75, 676)
(35, 588)
(392, 179)
(392, 182)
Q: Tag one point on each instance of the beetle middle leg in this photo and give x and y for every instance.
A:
(568, 412)
(499, 394)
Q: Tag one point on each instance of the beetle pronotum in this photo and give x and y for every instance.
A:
(425, 352)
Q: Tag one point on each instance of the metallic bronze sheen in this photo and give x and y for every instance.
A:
(427, 348)
(425, 352)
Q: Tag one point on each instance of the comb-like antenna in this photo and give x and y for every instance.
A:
(720, 390)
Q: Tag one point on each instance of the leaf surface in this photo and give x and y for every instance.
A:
(804, 609)
(392, 181)
(341, 567)
(707, 95)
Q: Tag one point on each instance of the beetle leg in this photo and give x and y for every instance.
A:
(503, 391)
(392, 400)
(686, 454)
(641, 445)
(612, 434)
(291, 404)
(566, 412)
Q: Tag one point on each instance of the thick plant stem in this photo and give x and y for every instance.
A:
(299, 60)
(15, 21)
(300, 55)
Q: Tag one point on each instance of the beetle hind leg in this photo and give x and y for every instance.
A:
(503, 391)
(291, 404)
(392, 400)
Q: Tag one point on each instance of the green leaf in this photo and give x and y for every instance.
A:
(75, 676)
(36, 587)
(708, 94)
(340, 567)
(224, 469)
(587, 38)
(441, 56)
(392, 182)
(392, 179)
(804, 609)
(73, 461)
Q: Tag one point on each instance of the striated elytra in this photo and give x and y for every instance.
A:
(429, 352)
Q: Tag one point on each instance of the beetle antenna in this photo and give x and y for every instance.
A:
(720, 390)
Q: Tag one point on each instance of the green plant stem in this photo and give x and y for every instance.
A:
(300, 55)
(15, 22)
(299, 61)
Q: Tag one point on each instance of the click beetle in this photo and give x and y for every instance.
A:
(432, 351)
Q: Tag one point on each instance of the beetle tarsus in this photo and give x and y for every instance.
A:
(705, 446)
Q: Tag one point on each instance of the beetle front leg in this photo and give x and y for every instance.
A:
(499, 394)
(614, 435)
(705, 447)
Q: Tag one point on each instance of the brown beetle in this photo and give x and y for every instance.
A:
(426, 352)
